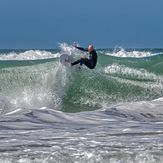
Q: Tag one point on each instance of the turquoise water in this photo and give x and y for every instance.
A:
(120, 76)
(51, 112)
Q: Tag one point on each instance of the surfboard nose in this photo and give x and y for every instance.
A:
(65, 59)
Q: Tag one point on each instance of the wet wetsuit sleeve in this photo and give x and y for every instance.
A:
(82, 49)
(93, 57)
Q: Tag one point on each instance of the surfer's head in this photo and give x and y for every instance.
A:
(90, 48)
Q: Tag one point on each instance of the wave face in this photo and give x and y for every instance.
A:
(34, 78)
(50, 112)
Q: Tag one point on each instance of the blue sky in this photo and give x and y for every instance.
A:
(104, 23)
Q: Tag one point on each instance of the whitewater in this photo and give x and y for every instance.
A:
(52, 113)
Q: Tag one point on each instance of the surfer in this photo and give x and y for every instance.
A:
(91, 61)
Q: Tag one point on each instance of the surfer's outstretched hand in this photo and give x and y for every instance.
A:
(74, 45)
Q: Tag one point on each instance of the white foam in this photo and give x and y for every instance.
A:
(159, 99)
(29, 55)
(70, 50)
(13, 112)
(132, 72)
(31, 87)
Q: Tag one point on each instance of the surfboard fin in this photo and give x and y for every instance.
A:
(67, 60)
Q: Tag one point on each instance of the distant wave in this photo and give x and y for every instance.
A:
(28, 55)
(121, 52)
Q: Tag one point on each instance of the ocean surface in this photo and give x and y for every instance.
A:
(55, 113)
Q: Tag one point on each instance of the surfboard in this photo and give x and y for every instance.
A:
(66, 59)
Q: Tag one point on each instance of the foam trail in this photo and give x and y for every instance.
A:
(141, 78)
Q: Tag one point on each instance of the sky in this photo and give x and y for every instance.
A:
(43, 24)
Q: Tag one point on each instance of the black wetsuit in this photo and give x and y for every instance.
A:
(89, 62)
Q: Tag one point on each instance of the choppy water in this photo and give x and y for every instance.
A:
(53, 113)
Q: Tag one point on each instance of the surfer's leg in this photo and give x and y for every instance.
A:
(84, 61)
(81, 61)
(77, 62)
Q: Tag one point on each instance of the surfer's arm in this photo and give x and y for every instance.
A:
(82, 49)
